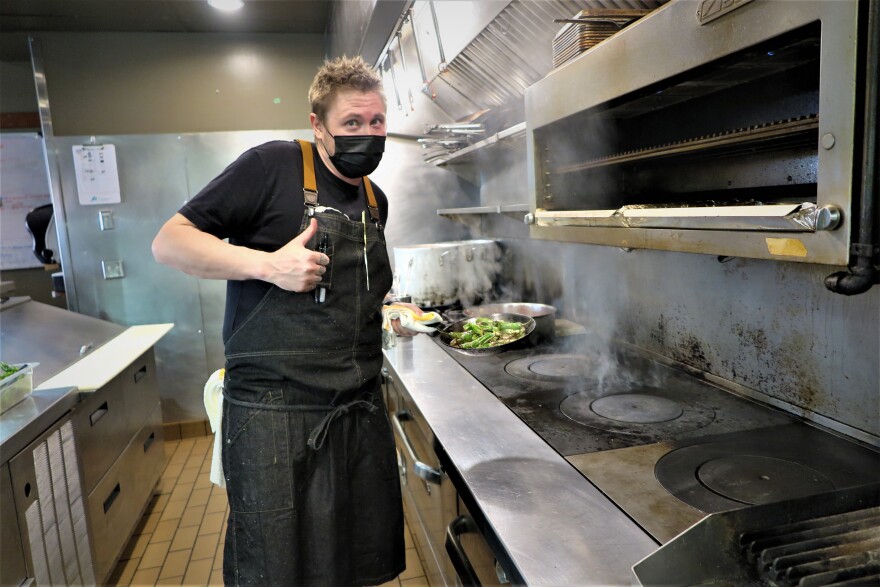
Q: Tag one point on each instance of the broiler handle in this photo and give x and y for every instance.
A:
(463, 567)
(426, 472)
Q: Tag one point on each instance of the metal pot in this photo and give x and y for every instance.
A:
(544, 316)
(441, 274)
(446, 338)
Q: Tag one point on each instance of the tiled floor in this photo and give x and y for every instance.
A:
(179, 541)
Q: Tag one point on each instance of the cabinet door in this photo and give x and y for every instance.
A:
(50, 507)
(13, 570)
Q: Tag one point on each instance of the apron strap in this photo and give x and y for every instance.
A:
(319, 433)
(310, 184)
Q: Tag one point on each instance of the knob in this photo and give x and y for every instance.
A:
(828, 217)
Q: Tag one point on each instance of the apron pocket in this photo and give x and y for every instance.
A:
(256, 457)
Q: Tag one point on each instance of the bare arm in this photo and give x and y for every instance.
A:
(181, 245)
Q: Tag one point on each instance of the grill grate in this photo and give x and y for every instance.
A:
(838, 549)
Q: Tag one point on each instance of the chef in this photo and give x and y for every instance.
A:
(308, 453)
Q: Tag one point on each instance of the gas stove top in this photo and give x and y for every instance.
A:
(581, 402)
(667, 447)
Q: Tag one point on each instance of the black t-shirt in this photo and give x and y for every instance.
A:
(257, 202)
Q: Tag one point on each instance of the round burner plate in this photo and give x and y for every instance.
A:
(753, 479)
(636, 407)
(552, 367)
(643, 411)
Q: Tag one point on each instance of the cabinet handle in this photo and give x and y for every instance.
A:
(99, 413)
(422, 470)
(463, 567)
(139, 374)
(111, 498)
(149, 441)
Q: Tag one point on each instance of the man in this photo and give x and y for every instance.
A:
(308, 452)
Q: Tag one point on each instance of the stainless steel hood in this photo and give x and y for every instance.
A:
(488, 54)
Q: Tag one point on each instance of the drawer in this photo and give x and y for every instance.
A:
(140, 389)
(117, 502)
(102, 429)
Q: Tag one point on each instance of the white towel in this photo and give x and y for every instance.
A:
(408, 319)
(214, 407)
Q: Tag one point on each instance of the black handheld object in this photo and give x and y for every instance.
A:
(321, 291)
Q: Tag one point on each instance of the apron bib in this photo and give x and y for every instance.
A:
(308, 451)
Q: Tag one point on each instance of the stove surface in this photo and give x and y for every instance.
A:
(667, 447)
(583, 403)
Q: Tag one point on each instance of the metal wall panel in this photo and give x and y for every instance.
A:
(157, 174)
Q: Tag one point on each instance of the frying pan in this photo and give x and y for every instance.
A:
(446, 338)
(544, 316)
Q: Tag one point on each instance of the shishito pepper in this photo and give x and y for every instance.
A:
(485, 333)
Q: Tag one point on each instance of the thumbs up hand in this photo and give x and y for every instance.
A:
(294, 267)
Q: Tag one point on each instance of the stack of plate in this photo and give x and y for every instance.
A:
(588, 28)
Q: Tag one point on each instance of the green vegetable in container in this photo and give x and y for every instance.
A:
(6, 369)
(484, 333)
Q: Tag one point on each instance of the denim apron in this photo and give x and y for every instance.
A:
(308, 452)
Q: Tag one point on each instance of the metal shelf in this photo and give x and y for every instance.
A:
(464, 156)
(503, 209)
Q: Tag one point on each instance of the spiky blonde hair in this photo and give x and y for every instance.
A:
(342, 73)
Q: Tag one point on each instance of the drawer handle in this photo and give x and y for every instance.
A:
(111, 498)
(99, 413)
(139, 374)
(422, 470)
(463, 567)
(149, 441)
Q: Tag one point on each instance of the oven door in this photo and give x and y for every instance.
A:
(470, 554)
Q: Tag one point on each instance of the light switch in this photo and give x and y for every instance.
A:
(112, 268)
(105, 219)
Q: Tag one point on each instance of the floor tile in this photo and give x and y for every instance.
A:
(205, 547)
(174, 510)
(181, 491)
(198, 572)
(416, 582)
(199, 497)
(170, 581)
(164, 531)
(212, 523)
(187, 476)
(216, 503)
(184, 538)
(154, 556)
(175, 564)
(145, 576)
(148, 523)
(216, 577)
(192, 516)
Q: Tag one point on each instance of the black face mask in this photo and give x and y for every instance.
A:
(357, 155)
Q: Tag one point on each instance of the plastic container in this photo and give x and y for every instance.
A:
(18, 386)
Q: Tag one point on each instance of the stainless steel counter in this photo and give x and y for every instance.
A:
(557, 528)
(29, 418)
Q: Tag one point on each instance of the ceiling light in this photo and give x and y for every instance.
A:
(226, 5)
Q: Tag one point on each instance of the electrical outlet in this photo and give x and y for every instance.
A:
(105, 219)
(112, 269)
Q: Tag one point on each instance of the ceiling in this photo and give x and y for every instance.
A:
(20, 17)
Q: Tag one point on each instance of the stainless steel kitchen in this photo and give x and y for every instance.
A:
(639, 240)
